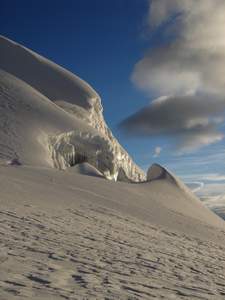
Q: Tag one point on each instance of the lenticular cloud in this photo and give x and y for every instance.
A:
(187, 69)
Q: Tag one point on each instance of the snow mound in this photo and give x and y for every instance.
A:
(64, 114)
(157, 172)
(85, 169)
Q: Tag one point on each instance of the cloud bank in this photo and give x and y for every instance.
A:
(192, 119)
(185, 72)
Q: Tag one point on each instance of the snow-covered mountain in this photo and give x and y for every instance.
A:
(66, 235)
(50, 117)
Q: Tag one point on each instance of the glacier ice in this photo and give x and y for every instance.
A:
(75, 147)
(64, 113)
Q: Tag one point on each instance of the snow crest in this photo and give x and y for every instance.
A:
(63, 108)
(157, 172)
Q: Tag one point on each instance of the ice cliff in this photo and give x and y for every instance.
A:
(58, 118)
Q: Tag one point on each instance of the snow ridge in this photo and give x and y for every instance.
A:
(80, 133)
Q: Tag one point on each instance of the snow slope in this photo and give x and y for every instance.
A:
(70, 236)
(72, 105)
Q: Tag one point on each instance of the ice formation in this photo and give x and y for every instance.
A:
(58, 117)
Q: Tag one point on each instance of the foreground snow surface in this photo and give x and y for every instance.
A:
(70, 236)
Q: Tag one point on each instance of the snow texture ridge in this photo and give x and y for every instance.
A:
(67, 236)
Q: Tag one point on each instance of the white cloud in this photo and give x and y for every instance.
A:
(186, 72)
(214, 177)
(214, 201)
(193, 58)
(157, 151)
(191, 119)
(195, 186)
(214, 189)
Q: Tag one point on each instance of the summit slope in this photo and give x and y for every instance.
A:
(70, 236)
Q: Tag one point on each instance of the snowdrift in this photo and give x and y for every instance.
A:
(85, 169)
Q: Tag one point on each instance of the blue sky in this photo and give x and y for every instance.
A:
(102, 41)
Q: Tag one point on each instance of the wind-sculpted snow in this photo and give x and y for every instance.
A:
(50, 79)
(77, 253)
(127, 170)
(85, 169)
(74, 147)
(71, 148)
(67, 236)
(64, 123)
(157, 172)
